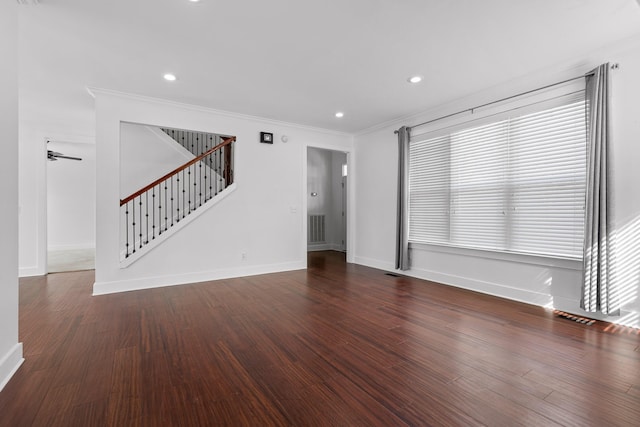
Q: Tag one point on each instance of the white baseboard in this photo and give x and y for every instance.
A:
(375, 263)
(9, 364)
(489, 288)
(31, 271)
(320, 247)
(325, 247)
(103, 288)
(627, 317)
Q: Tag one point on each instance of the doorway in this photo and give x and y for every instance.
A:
(326, 195)
(70, 206)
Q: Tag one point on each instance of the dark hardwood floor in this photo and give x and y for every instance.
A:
(337, 345)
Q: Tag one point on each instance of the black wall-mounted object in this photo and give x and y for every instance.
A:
(266, 137)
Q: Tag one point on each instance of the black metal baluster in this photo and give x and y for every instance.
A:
(146, 207)
(215, 169)
(140, 219)
(172, 210)
(220, 169)
(166, 222)
(189, 187)
(126, 222)
(200, 173)
(178, 196)
(153, 214)
(133, 214)
(199, 187)
(206, 171)
(184, 196)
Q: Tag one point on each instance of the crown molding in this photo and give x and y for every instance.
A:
(93, 91)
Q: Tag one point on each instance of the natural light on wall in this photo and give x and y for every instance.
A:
(625, 263)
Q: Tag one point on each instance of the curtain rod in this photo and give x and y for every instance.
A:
(503, 99)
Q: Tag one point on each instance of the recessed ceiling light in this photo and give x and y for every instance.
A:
(339, 114)
(414, 79)
(170, 77)
(194, 1)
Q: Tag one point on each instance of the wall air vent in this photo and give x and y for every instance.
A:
(34, 2)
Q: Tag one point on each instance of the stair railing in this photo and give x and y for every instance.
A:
(155, 208)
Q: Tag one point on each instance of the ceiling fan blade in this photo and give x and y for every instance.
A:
(69, 157)
(54, 155)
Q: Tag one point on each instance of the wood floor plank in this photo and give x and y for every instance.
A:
(334, 345)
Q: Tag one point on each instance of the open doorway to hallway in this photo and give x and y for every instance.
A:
(327, 176)
(70, 206)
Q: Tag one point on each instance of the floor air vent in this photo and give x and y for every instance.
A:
(575, 318)
(392, 274)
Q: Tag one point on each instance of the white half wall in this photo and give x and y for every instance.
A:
(528, 279)
(259, 228)
(10, 348)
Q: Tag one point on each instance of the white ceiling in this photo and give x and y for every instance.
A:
(299, 61)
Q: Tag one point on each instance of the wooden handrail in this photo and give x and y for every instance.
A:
(226, 141)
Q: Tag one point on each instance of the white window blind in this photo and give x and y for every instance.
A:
(515, 185)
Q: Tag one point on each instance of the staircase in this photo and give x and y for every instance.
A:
(151, 213)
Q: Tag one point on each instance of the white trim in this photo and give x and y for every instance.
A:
(93, 91)
(31, 271)
(566, 263)
(9, 364)
(351, 209)
(126, 262)
(628, 318)
(326, 247)
(375, 263)
(320, 247)
(488, 288)
(103, 288)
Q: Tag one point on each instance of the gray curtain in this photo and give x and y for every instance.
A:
(598, 291)
(402, 231)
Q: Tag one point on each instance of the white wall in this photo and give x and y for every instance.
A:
(33, 201)
(10, 349)
(263, 218)
(71, 208)
(528, 279)
(146, 154)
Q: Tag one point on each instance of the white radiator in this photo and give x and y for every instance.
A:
(316, 229)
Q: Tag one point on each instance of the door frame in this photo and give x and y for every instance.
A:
(350, 190)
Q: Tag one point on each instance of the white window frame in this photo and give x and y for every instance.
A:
(514, 108)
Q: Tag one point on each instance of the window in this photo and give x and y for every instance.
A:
(514, 185)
